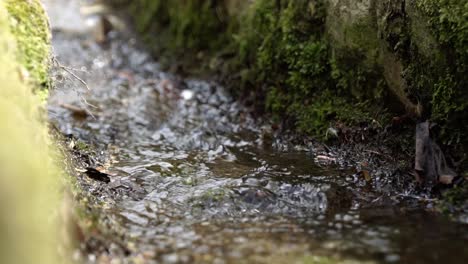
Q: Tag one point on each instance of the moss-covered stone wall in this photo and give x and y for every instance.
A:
(437, 66)
(30, 26)
(315, 63)
(29, 189)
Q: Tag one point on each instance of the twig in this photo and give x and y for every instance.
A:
(148, 82)
(73, 69)
(379, 154)
(70, 70)
(83, 100)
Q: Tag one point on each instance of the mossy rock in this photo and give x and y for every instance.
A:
(277, 51)
(30, 27)
(439, 78)
(29, 183)
(314, 63)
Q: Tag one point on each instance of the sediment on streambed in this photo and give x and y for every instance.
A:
(29, 176)
(324, 66)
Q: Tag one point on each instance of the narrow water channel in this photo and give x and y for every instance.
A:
(194, 178)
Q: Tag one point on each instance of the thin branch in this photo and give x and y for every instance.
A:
(70, 70)
(73, 69)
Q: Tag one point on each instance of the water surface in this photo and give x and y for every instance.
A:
(195, 178)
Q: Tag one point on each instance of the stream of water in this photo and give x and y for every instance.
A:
(194, 178)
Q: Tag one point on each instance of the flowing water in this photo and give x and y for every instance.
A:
(195, 178)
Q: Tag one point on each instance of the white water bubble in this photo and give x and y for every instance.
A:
(187, 94)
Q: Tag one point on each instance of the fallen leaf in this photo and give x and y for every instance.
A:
(77, 112)
(366, 175)
(97, 175)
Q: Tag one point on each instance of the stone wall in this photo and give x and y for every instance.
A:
(29, 189)
(319, 63)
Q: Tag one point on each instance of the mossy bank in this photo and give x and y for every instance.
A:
(29, 184)
(315, 64)
(30, 26)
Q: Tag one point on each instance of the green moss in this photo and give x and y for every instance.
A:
(183, 27)
(214, 195)
(454, 200)
(82, 146)
(281, 52)
(210, 196)
(314, 64)
(29, 189)
(439, 80)
(309, 82)
(449, 21)
(356, 59)
(30, 27)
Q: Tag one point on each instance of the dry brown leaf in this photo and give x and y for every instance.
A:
(76, 111)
